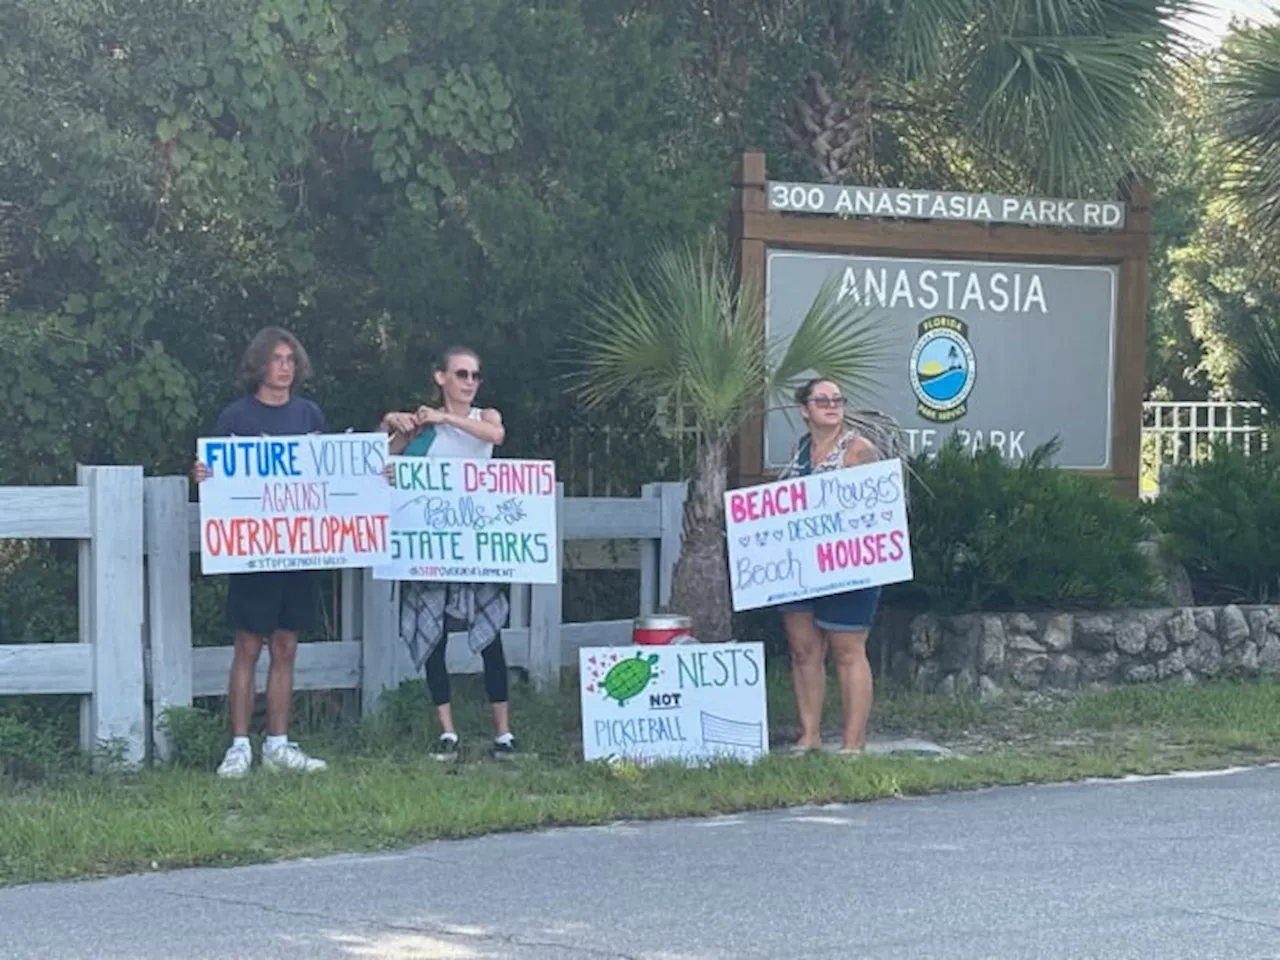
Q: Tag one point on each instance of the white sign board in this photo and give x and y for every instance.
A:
(694, 702)
(293, 503)
(817, 535)
(473, 521)
(895, 203)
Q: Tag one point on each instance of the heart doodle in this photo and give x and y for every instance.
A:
(777, 534)
(744, 541)
(886, 514)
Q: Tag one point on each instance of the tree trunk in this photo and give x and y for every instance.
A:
(700, 585)
(8, 254)
(835, 134)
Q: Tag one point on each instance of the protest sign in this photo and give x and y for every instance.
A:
(473, 521)
(817, 535)
(293, 503)
(694, 702)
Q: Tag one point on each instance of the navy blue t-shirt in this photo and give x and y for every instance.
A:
(250, 417)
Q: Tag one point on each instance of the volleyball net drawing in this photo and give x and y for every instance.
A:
(732, 733)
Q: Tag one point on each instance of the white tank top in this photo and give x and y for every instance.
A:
(449, 441)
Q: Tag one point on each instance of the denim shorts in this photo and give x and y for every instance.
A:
(851, 612)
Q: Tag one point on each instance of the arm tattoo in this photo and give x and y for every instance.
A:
(863, 453)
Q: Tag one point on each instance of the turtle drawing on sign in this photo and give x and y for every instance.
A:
(628, 678)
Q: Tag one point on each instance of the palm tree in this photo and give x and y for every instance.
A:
(1248, 92)
(1249, 87)
(1259, 354)
(1056, 94)
(686, 336)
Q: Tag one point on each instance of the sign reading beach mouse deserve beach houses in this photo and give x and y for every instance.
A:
(817, 535)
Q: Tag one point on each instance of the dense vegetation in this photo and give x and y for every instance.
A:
(988, 536)
(387, 177)
(1220, 519)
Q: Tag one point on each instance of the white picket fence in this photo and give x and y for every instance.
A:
(1175, 432)
(135, 657)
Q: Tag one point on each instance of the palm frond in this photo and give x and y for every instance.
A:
(683, 336)
(1072, 85)
(718, 327)
(1259, 351)
(836, 340)
(1249, 89)
(624, 346)
(930, 31)
(689, 337)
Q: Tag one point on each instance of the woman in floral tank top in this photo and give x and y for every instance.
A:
(843, 620)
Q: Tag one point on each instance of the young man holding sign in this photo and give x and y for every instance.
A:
(268, 607)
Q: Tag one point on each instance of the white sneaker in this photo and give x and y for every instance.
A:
(291, 757)
(236, 763)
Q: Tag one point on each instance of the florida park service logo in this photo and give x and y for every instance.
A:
(942, 369)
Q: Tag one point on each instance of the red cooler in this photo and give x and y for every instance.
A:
(661, 629)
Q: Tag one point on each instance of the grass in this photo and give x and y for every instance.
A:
(383, 792)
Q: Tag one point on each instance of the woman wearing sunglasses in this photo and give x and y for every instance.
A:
(454, 428)
(842, 620)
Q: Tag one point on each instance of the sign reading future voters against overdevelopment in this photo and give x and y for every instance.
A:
(693, 703)
(818, 535)
(294, 503)
(473, 521)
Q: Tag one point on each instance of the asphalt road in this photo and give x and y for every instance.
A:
(1168, 869)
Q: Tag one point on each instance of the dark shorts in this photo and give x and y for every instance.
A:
(262, 603)
(851, 612)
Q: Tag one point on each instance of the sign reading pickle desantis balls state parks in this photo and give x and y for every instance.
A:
(1006, 355)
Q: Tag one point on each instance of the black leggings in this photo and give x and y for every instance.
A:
(495, 673)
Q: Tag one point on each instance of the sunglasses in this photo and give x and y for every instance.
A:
(472, 375)
(827, 402)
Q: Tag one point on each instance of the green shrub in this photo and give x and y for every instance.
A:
(197, 738)
(26, 752)
(986, 535)
(1220, 518)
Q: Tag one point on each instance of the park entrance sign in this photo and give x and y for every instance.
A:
(1003, 354)
(1008, 321)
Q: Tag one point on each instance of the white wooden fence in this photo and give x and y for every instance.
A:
(136, 651)
(105, 667)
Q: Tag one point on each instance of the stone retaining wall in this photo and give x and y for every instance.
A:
(990, 653)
